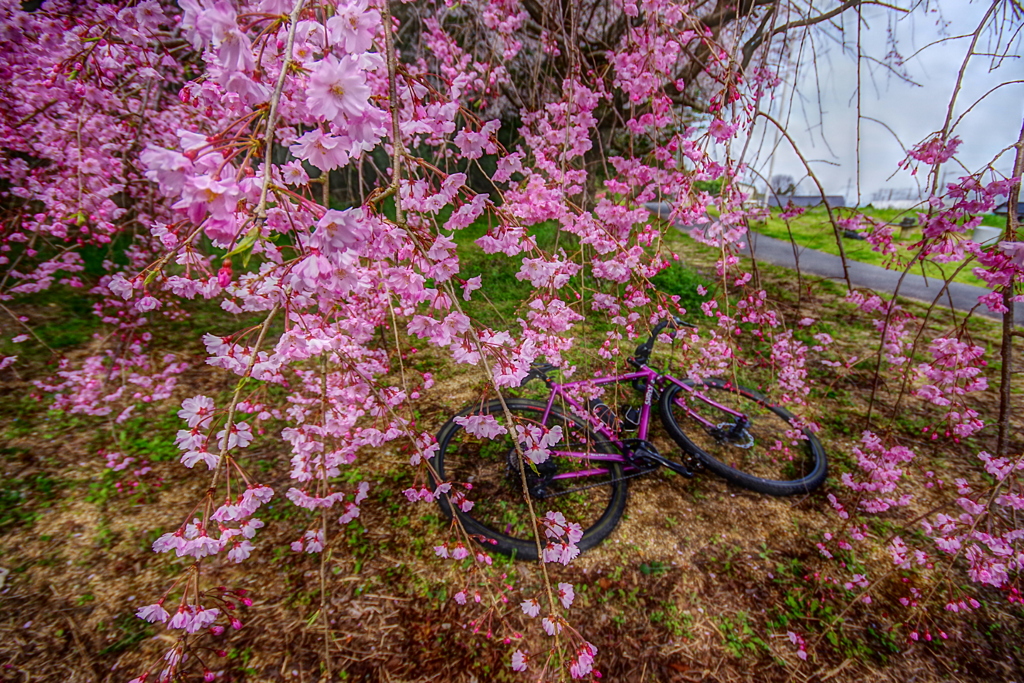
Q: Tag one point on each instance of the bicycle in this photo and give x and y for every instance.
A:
(575, 464)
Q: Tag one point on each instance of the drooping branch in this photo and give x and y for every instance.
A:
(959, 83)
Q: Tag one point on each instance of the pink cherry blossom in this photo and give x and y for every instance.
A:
(1015, 250)
(483, 426)
(325, 152)
(566, 594)
(936, 150)
(337, 87)
(153, 613)
(552, 625)
(196, 411)
(294, 174)
(354, 26)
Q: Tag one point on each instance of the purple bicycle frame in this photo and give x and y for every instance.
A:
(652, 380)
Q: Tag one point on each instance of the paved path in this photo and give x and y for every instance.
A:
(959, 296)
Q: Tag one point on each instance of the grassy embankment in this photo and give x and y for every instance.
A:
(813, 230)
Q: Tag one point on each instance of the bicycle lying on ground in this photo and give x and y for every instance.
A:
(506, 460)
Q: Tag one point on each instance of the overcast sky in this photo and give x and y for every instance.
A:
(822, 118)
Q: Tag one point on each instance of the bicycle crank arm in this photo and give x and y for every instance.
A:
(658, 458)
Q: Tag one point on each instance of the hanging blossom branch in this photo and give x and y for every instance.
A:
(193, 538)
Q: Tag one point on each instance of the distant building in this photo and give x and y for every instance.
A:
(806, 200)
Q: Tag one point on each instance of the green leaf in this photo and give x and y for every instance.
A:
(246, 242)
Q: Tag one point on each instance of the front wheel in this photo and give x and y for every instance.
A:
(741, 437)
(580, 482)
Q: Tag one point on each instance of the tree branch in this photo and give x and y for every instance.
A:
(759, 38)
(1006, 352)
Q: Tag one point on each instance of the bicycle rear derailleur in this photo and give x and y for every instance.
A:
(735, 433)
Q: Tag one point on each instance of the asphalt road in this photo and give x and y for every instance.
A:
(958, 296)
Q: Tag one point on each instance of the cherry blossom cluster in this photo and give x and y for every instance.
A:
(583, 652)
(936, 150)
(92, 82)
(131, 471)
(883, 467)
(112, 383)
(954, 372)
(955, 215)
(982, 531)
(975, 525)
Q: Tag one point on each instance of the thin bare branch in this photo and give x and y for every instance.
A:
(821, 190)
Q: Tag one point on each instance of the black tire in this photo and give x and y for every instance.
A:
(500, 514)
(772, 455)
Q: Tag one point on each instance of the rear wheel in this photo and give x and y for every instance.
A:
(487, 477)
(766, 450)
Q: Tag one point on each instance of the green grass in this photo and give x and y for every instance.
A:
(61, 317)
(151, 437)
(682, 281)
(500, 301)
(126, 632)
(504, 297)
(740, 638)
(812, 229)
(22, 499)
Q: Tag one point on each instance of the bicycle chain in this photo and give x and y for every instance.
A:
(694, 464)
(603, 483)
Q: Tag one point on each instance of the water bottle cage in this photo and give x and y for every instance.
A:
(604, 413)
